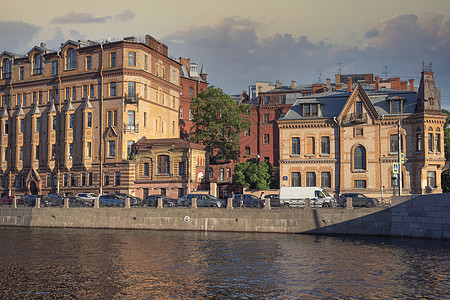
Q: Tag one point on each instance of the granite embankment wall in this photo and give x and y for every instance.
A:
(423, 216)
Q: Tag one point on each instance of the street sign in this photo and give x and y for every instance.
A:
(402, 159)
(395, 168)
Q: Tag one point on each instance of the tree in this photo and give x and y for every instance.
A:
(217, 123)
(445, 177)
(253, 174)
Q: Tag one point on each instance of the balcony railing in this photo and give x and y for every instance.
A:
(132, 98)
(357, 118)
(127, 128)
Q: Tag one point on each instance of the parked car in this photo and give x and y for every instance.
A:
(152, 200)
(29, 200)
(87, 198)
(8, 200)
(274, 200)
(112, 200)
(52, 199)
(358, 199)
(133, 200)
(247, 200)
(203, 200)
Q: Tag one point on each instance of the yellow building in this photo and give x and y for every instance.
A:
(169, 167)
(71, 117)
(347, 140)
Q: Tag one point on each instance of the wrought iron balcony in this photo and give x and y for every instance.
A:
(357, 118)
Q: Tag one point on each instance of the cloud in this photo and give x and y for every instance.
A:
(125, 16)
(60, 37)
(74, 17)
(373, 32)
(15, 36)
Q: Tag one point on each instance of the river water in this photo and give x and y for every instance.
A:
(38, 263)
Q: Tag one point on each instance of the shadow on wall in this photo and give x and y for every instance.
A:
(421, 216)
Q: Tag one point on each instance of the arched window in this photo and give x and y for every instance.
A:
(37, 64)
(163, 164)
(6, 69)
(418, 140)
(71, 59)
(359, 158)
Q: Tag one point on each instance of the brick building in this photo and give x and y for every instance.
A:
(71, 117)
(347, 140)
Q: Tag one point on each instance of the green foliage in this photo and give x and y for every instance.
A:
(445, 178)
(218, 121)
(253, 174)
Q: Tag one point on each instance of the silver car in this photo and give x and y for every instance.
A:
(87, 198)
(203, 200)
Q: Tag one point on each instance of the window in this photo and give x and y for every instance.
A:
(113, 59)
(145, 91)
(266, 100)
(326, 179)
(296, 179)
(310, 146)
(190, 115)
(88, 149)
(359, 184)
(72, 180)
(131, 120)
(163, 164)
(418, 140)
(71, 121)
(437, 142)
(394, 143)
(310, 179)
(71, 59)
(112, 148)
(395, 107)
(146, 169)
(21, 73)
(145, 62)
(191, 92)
(247, 151)
(70, 150)
(295, 146)
(24, 99)
(57, 95)
(53, 151)
(359, 132)
(85, 91)
(54, 123)
(38, 124)
(54, 68)
(34, 97)
(145, 119)
(181, 113)
(36, 153)
(430, 142)
(89, 119)
(83, 179)
(359, 158)
(109, 118)
(310, 110)
(247, 132)
(266, 118)
(325, 145)
(283, 99)
(88, 62)
(117, 178)
(115, 118)
(174, 101)
(21, 153)
(6, 69)
(91, 91)
(222, 173)
(181, 168)
(112, 89)
(6, 127)
(22, 125)
(266, 139)
(130, 148)
(106, 179)
(131, 89)
(40, 97)
(132, 59)
(313, 110)
(74, 93)
(37, 64)
(431, 179)
(67, 93)
(228, 172)
(65, 179)
(90, 179)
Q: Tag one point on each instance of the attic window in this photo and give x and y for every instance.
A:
(37, 64)
(310, 110)
(71, 59)
(396, 107)
(6, 68)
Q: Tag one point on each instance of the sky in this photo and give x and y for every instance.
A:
(240, 42)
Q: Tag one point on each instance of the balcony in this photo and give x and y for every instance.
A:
(131, 98)
(130, 128)
(357, 118)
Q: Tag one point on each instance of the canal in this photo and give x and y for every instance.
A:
(38, 263)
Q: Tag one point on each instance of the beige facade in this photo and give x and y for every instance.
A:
(71, 117)
(346, 140)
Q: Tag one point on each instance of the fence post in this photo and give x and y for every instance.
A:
(230, 203)
(307, 203)
(66, 202)
(37, 204)
(194, 203)
(349, 202)
(160, 202)
(96, 202)
(127, 202)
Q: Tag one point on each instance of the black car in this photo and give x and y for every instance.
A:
(358, 199)
(152, 201)
(29, 200)
(247, 200)
(274, 200)
(133, 200)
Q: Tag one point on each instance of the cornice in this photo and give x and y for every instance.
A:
(309, 161)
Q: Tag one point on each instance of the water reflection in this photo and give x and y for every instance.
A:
(127, 264)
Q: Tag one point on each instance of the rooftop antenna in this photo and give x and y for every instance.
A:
(340, 67)
(385, 72)
(319, 77)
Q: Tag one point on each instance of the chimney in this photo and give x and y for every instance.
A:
(377, 83)
(329, 84)
(278, 84)
(293, 85)
(411, 85)
(349, 84)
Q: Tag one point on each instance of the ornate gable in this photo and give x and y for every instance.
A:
(111, 133)
(358, 109)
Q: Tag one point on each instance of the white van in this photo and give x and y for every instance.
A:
(296, 195)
